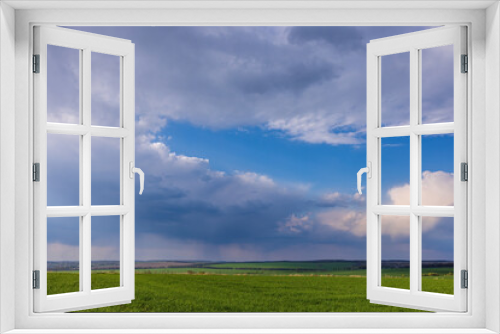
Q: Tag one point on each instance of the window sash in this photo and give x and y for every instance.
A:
(85, 298)
(413, 43)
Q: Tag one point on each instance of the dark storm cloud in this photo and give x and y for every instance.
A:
(290, 77)
(343, 38)
(215, 223)
(225, 77)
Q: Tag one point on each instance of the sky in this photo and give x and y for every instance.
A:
(250, 139)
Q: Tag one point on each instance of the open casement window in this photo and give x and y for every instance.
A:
(75, 150)
(433, 200)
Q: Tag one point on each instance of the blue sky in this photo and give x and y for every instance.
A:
(250, 138)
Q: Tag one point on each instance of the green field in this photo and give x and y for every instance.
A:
(242, 271)
(306, 265)
(68, 281)
(254, 287)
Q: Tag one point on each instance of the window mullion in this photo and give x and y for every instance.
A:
(85, 162)
(122, 181)
(81, 218)
(414, 173)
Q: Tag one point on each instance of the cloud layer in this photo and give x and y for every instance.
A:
(305, 84)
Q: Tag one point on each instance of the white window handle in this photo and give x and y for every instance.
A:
(368, 171)
(139, 171)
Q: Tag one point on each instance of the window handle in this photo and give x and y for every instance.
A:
(368, 171)
(139, 171)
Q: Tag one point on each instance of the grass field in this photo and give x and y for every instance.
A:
(254, 287)
(306, 265)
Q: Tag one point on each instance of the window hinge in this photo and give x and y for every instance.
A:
(36, 63)
(465, 279)
(465, 64)
(36, 172)
(36, 279)
(464, 167)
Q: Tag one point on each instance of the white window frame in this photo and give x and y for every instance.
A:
(482, 19)
(86, 44)
(414, 43)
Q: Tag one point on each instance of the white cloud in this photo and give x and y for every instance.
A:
(343, 200)
(315, 128)
(345, 220)
(254, 178)
(396, 226)
(62, 114)
(437, 188)
(149, 123)
(295, 224)
(159, 160)
(194, 177)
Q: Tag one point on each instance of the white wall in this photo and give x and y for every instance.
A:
(492, 165)
(7, 164)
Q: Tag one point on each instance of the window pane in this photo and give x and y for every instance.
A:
(437, 170)
(105, 252)
(63, 255)
(395, 90)
(437, 84)
(437, 254)
(63, 170)
(105, 90)
(395, 171)
(63, 85)
(105, 171)
(395, 264)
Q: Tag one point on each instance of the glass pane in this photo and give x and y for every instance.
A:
(395, 171)
(437, 170)
(437, 84)
(105, 252)
(395, 251)
(105, 171)
(63, 255)
(63, 170)
(437, 254)
(63, 85)
(105, 90)
(395, 90)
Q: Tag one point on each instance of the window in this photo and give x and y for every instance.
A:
(432, 197)
(104, 149)
(83, 134)
(482, 127)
